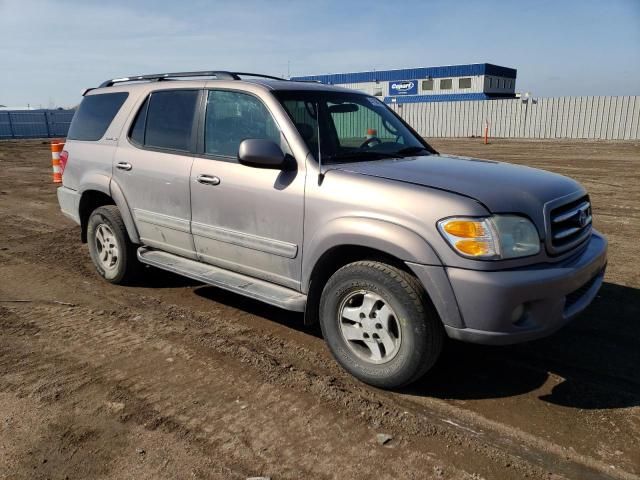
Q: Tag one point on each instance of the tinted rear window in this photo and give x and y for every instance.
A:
(170, 119)
(94, 115)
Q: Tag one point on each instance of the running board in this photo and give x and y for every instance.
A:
(218, 277)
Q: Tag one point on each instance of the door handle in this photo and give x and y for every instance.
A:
(124, 166)
(208, 180)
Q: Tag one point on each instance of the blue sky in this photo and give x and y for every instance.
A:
(51, 50)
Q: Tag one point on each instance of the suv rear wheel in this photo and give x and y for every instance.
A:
(113, 254)
(379, 324)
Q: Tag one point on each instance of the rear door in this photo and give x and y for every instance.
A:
(244, 218)
(152, 167)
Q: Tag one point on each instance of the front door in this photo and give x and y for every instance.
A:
(152, 166)
(244, 218)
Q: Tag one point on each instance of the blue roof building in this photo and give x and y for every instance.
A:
(477, 81)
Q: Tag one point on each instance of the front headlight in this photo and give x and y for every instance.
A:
(491, 238)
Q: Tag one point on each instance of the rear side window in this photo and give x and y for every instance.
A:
(169, 120)
(95, 115)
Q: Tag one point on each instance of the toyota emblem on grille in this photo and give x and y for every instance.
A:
(582, 218)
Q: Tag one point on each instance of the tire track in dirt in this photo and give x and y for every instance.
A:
(186, 398)
(468, 420)
(87, 332)
(226, 336)
(59, 381)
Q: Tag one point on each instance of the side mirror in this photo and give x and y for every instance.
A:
(260, 153)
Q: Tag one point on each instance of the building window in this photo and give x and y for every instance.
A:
(445, 84)
(490, 82)
(427, 84)
(464, 82)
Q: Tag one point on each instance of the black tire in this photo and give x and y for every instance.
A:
(418, 326)
(126, 267)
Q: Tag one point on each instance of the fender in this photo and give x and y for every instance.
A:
(125, 211)
(102, 182)
(387, 237)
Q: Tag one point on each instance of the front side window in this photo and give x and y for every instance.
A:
(232, 117)
(94, 115)
(445, 84)
(351, 126)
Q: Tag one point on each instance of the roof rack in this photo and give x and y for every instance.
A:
(219, 75)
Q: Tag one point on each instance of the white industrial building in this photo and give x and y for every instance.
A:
(478, 81)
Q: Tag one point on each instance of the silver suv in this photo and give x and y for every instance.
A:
(322, 200)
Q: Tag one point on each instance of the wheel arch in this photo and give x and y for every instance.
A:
(99, 193)
(348, 240)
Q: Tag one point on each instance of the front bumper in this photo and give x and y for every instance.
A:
(515, 306)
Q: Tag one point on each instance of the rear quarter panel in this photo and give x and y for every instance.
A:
(91, 160)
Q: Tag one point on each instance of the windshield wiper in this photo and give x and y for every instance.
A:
(360, 155)
(408, 151)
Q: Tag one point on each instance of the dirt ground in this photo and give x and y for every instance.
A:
(173, 379)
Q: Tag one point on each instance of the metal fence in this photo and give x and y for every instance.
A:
(34, 124)
(611, 118)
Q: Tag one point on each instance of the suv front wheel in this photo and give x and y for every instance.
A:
(113, 254)
(379, 324)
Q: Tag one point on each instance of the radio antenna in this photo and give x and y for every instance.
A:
(320, 172)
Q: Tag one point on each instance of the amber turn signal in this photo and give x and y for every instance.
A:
(466, 228)
(474, 248)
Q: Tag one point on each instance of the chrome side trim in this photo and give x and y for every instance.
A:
(161, 220)
(246, 240)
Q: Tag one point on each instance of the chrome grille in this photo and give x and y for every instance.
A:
(570, 224)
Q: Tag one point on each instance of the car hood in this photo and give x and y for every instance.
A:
(501, 187)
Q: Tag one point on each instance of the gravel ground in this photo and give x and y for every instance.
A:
(174, 379)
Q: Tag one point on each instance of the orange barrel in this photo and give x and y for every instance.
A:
(56, 148)
(371, 133)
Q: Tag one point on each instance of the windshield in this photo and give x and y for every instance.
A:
(353, 126)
